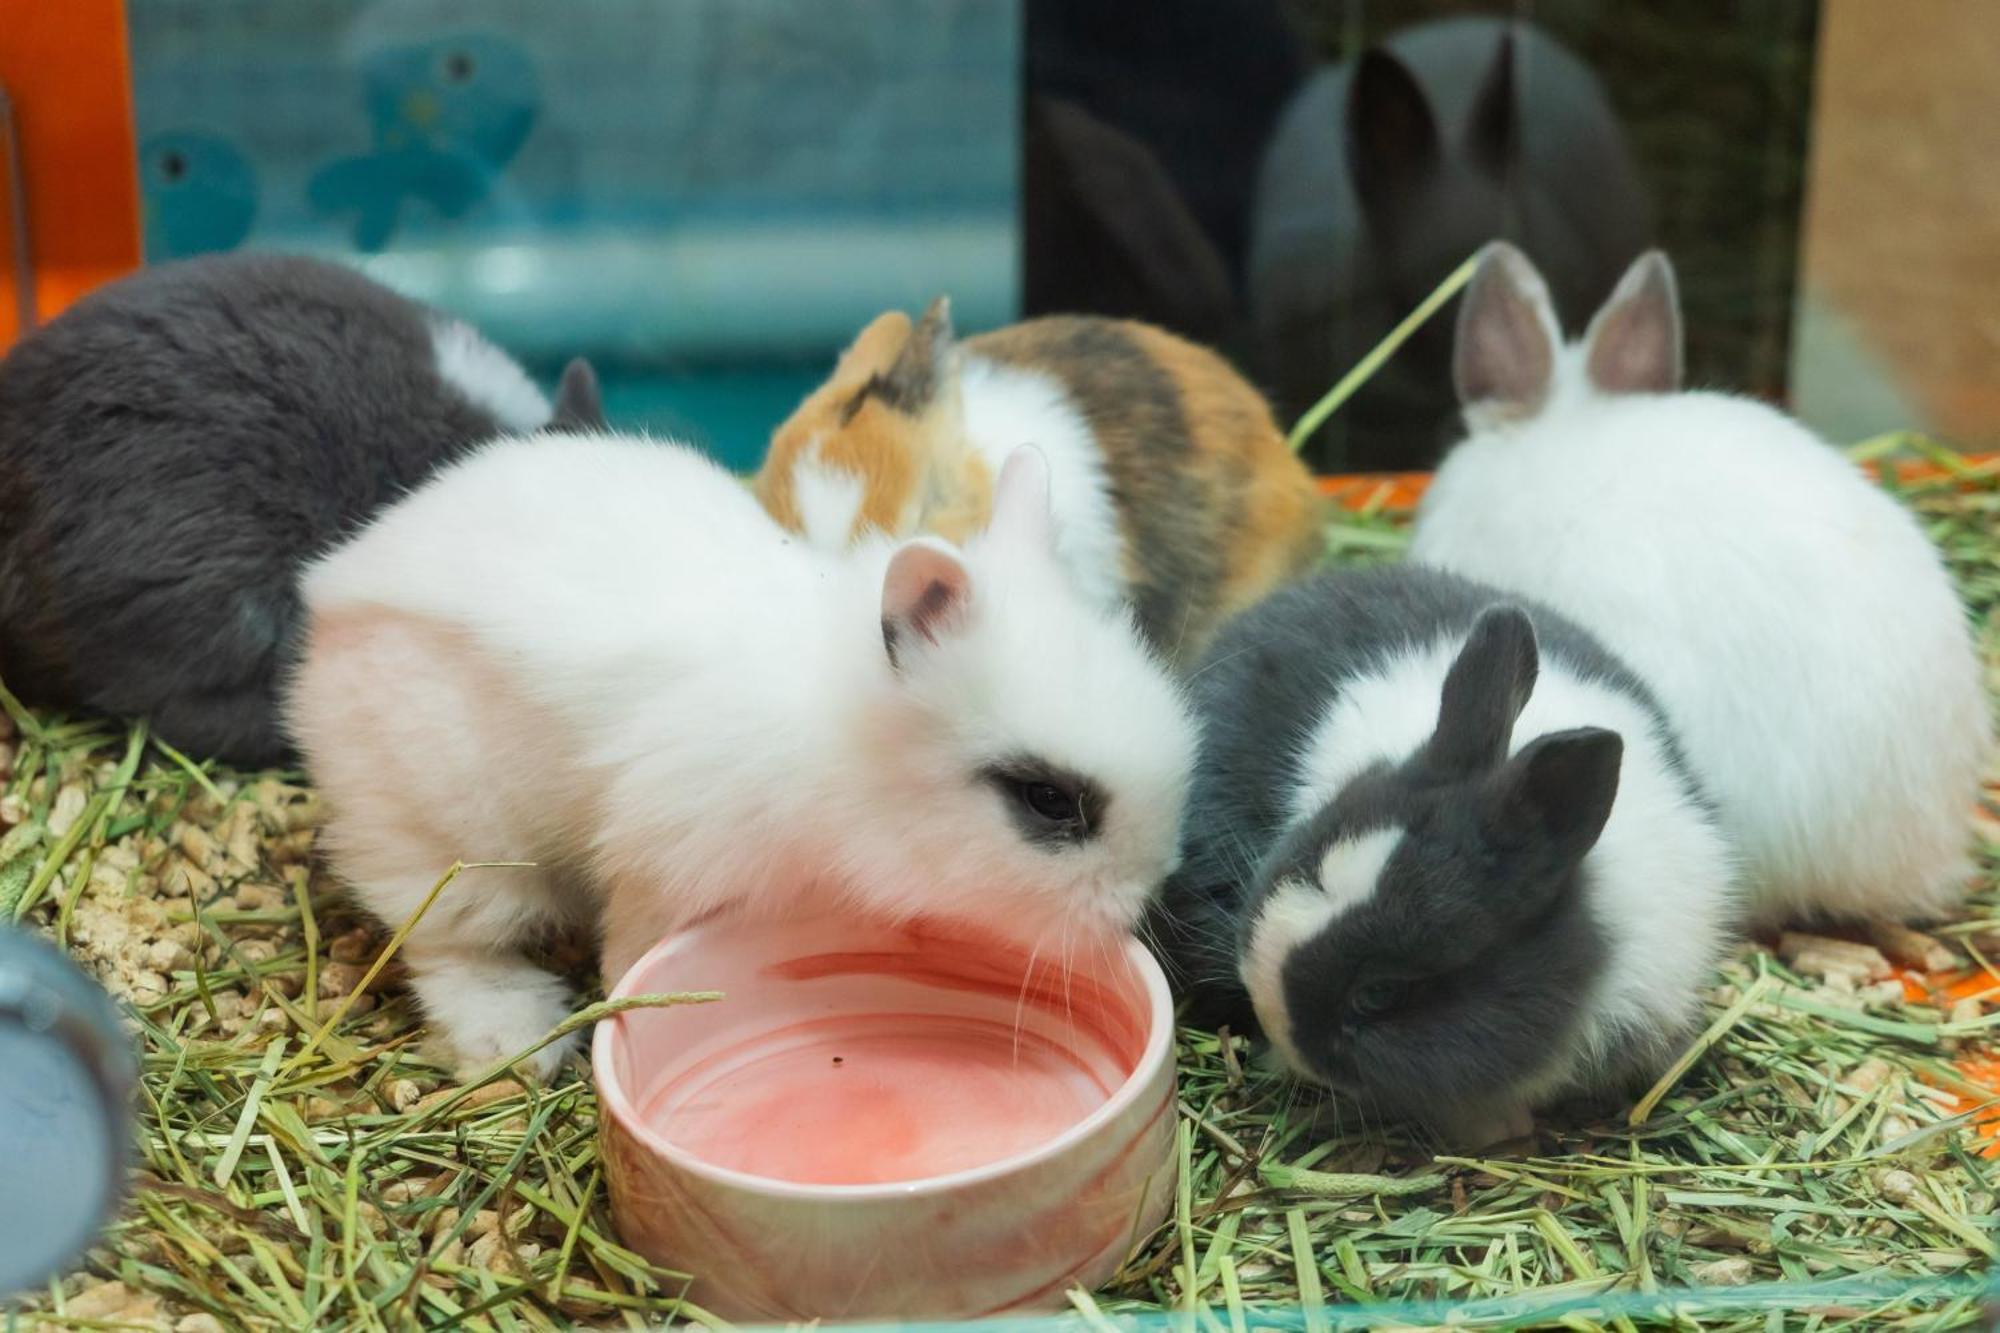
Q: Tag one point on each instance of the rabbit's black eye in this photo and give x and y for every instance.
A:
(458, 67)
(1052, 802)
(173, 166)
(1373, 999)
(1048, 805)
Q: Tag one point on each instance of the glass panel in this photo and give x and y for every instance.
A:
(1290, 179)
(707, 197)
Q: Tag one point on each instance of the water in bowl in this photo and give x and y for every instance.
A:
(879, 1058)
(873, 1098)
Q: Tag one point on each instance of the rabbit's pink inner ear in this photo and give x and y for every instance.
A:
(1505, 355)
(1634, 343)
(925, 594)
(1021, 498)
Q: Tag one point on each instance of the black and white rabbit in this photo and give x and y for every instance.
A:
(176, 444)
(1443, 845)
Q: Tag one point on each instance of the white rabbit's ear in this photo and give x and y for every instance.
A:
(1634, 343)
(1021, 500)
(1505, 357)
(926, 594)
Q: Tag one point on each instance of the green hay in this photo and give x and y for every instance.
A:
(303, 1166)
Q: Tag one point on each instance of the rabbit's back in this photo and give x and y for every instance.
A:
(1794, 620)
(174, 445)
(611, 577)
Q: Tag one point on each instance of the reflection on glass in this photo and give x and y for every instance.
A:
(1287, 180)
(1386, 172)
(706, 197)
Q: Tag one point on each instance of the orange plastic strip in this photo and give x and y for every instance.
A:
(1978, 1068)
(67, 72)
(1401, 490)
(1983, 1073)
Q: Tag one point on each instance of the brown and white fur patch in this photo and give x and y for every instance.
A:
(1171, 485)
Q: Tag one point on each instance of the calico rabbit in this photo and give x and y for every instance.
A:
(1172, 487)
(174, 445)
(600, 655)
(1798, 626)
(1442, 848)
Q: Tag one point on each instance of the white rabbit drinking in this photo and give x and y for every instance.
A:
(599, 655)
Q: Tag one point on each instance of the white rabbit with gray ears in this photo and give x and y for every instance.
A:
(1798, 627)
(599, 655)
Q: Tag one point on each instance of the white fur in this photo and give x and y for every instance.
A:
(1795, 622)
(1659, 879)
(1005, 407)
(1349, 869)
(599, 655)
(487, 376)
(828, 499)
(1296, 911)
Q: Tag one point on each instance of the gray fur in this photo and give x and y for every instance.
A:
(1481, 906)
(579, 401)
(171, 449)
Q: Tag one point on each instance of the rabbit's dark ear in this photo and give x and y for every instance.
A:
(911, 382)
(1493, 128)
(1392, 137)
(1556, 794)
(1484, 692)
(1634, 342)
(579, 401)
(1128, 237)
(1505, 356)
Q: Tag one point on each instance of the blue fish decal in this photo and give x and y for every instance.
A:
(199, 191)
(446, 118)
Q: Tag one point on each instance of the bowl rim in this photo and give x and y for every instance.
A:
(616, 1102)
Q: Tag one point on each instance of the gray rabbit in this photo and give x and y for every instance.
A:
(176, 444)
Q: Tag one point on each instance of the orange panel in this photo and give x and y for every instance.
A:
(66, 70)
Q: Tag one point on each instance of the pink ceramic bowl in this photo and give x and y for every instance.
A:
(886, 1122)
